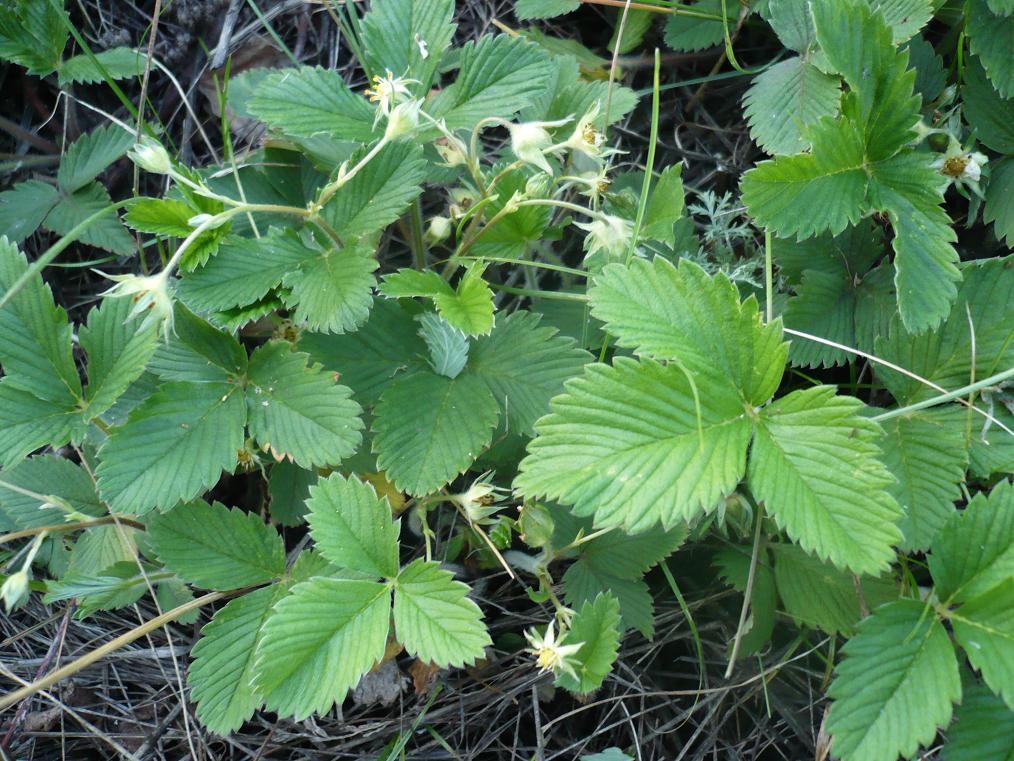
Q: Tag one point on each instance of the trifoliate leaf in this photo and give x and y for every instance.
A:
(24, 207)
(895, 686)
(525, 365)
(407, 37)
(173, 447)
(295, 409)
(582, 583)
(818, 595)
(985, 109)
(787, 98)
(213, 547)
(368, 360)
(526, 10)
(499, 75)
(306, 661)
(983, 728)
(90, 154)
(689, 33)
(984, 627)
(33, 35)
(309, 101)
(628, 445)
(73, 209)
(221, 672)
(28, 423)
(379, 194)
(989, 37)
(423, 446)
(48, 476)
(198, 352)
(352, 527)
(927, 455)
(999, 208)
(332, 291)
(118, 350)
(597, 626)
(682, 313)
(974, 551)
(435, 619)
(116, 63)
(816, 465)
(448, 345)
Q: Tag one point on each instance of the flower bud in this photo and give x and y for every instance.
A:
(151, 156)
(439, 229)
(536, 525)
(15, 590)
(403, 120)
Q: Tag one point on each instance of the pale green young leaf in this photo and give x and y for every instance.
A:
(198, 352)
(499, 75)
(73, 209)
(927, 455)
(974, 551)
(896, 685)
(117, 63)
(409, 283)
(784, 100)
(309, 101)
(368, 360)
(28, 423)
(448, 346)
(435, 619)
(982, 730)
(379, 193)
(470, 309)
(985, 109)
(816, 465)
(222, 667)
(681, 313)
(816, 594)
(173, 447)
(989, 36)
(24, 207)
(90, 154)
(307, 662)
(407, 38)
(665, 205)
(423, 446)
(332, 291)
(167, 217)
(984, 627)
(597, 626)
(214, 547)
(690, 33)
(33, 35)
(35, 336)
(525, 364)
(352, 527)
(296, 411)
(118, 350)
(48, 475)
(526, 10)
(999, 207)
(627, 444)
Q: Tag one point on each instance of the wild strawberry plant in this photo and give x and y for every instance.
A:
(305, 322)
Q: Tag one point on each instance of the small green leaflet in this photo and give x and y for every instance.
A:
(91, 154)
(983, 728)
(989, 36)
(597, 626)
(407, 37)
(469, 308)
(448, 345)
(984, 627)
(538, 9)
(116, 63)
(33, 35)
(67, 487)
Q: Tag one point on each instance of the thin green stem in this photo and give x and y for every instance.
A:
(950, 396)
(642, 205)
(758, 538)
(769, 290)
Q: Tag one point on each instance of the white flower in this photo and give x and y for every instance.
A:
(961, 167)
(607, 233)
(151, 156)
(14, 590)
(530, 140)
(403, 120)
(439, 229)
(151, 295)
(387, 90)
(551, 654)
(481, 500)
(586, 138)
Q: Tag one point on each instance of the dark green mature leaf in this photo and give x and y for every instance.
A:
(24, 207)
(422, 447)
(597, 626)
(332, 290)
(288, 489)
(116, 63)
(896, 685)
(73, 209)
(983, 728)
(991, 115)
(689, 33)
(990, 36)
(91, 154)
(295, 410)
(213, 547)
(534, 9)
(582, 583)
(69, 486)
(173, 447)
(816, 465)
(353, 528)
(199, 352)
(984, 627)
(33, 35)
(28, 423)
(407, 38)
(999, 208)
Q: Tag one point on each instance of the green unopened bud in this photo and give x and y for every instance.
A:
(15, 590)
(439, 229)
(151, 156)
(537, 186)
(403, 120)
(536, 525)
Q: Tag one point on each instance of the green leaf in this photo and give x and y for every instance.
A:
(118, 350)
(816, 466)
(407, 37)
(107, 233)
(627, 444)
(173, 447)
(332, 291)
(213, 547)
(984, 627)
(352, 527)
(499, 75)
(221, 672)
(167, 217)
(368, 360)
(930, 77)
(51, 476)
(689, 33)
(526, 10)
(198, 352)
(983, 728)
(307, 662)
(792, 22)
(974, 551)
(597, 626)
(999, 208)
(309, 101)
(448, 347)
(379, 193)
(991, 115)
(636, 27)
(681, 313)
(35, 336)
(423, 446)
(582, 583)
(435, 619)
(90, 154)
(927, 455)
(33, 34)
(102, 546)
(990, 36)
(28, 422)
(665, 206)
(117, 63)
(817, 594)
(470, 309)
(787, 98)
(288, 489)
(904, 17)
(119, 585)
(24, 207)
(295, 409)
(525, 365)
(895, 686)
(408, 283)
